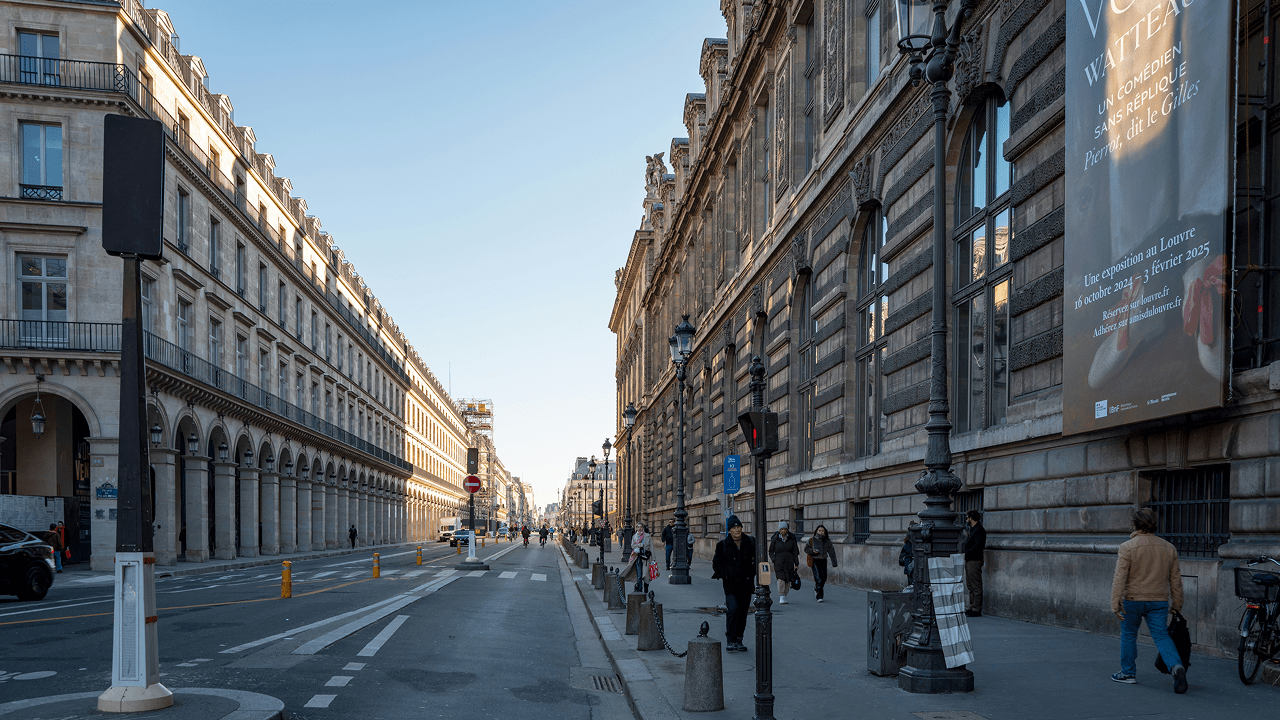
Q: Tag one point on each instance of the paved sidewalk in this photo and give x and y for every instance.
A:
(1022, 671)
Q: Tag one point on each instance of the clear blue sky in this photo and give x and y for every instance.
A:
(481, 163)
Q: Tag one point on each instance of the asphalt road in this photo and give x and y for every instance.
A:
(418, 642)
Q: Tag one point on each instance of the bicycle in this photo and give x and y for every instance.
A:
(1259, 626)
(543, 542)
(526, 542)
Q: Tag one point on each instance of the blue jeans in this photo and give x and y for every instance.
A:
(57, 559)
(1157, 615)
(670, 547)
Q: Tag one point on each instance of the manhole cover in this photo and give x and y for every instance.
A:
(948, 715)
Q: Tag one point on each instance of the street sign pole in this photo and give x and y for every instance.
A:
(472, 486)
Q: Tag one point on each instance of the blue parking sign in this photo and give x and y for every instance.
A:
(732, 474)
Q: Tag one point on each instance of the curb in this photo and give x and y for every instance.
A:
(253, 706)
(642, 692)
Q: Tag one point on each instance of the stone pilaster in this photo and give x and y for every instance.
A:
(342, 508)
(288, 514)
(248, 512)
(331, 528)
(317, 514)
(196, 490)
(224, 510)
(304, 515)
(269, 502)
(166, 523)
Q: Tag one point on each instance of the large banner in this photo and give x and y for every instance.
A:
(1148, 167)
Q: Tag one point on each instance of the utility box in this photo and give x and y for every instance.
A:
(888, 625)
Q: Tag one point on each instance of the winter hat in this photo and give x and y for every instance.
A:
(783, 524)
(732, 523)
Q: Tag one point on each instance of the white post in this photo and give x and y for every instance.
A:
(471, 548)
(135, 653)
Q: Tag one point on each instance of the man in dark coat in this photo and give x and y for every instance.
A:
(975, 544)
(734, 565)
(668, 538)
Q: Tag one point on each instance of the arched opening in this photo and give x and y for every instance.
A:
(52, 466)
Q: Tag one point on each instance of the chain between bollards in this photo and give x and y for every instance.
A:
(622, 595)
(657, 621)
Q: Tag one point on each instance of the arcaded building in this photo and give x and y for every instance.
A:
(795, 222)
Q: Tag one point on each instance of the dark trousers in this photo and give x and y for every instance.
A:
(973, 580)
(670, 547)
(735, 620)
(353, 541)
(819, 576)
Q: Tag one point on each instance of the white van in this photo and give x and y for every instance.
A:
(448, 526)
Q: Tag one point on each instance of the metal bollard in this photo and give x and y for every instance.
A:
(650, 638)
(286, 580)
(703, 675)
(419, 556)
(634, 601)
(481, 542)
(377, 571)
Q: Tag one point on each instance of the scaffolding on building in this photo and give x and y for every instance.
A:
(478, 415)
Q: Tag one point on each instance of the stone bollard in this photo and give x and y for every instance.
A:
(703, 675)
(613, 592)
(634, 601)
(597, 575)
(610, 585)
(650, 638)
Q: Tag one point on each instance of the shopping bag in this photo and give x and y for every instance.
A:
(1181, 637)
(653, 571)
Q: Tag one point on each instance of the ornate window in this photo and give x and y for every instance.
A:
(41, 161)
(983, 233)
(869, 345)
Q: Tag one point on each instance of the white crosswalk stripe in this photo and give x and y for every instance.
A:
(387, 573)
(507, 575)
(540, 577)
(320, 701)
(476, 573)
(414, 573)
(352, 574)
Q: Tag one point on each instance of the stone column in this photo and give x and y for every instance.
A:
(317, 514)
(288, 514)
(224, 510)
(379, 516)
(165, 539)
(341, 519)
(362, 523)
(269, 487)
(304, 515)
(331, 528)
(197, 490)
(248, 512)
(353, 508)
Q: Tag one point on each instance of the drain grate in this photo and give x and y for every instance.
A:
(598, 679)
(606, 683)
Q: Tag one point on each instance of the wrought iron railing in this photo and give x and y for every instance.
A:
(68, 74)
(53, 335)
(41, 192)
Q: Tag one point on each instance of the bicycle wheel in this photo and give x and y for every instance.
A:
(1248, 660)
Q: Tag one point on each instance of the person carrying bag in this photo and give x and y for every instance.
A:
(785, 554)
(816, 552)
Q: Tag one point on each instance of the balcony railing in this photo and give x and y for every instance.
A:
(41, 192)
(67, 74)
(52, 335)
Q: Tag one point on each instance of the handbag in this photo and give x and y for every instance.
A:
(1181, 637)
(808, 560)
(795, 582)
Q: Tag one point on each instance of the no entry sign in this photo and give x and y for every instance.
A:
(472, 484)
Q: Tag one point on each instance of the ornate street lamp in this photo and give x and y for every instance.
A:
(936, 535)
(193, 444)
(37, 411)
(628, 422)
(248, 457)
(760, 428)
(222, 452)
(156, 432)
(681, 342)
(288, 469)
(270, 463)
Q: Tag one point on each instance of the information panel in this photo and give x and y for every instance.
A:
(1148, 162)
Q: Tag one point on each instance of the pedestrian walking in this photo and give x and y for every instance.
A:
(62, 535)
(668, 538)
(641, 553)
(1148, 583)
(734, 566)
(689, 543)
(785, 554)
(906, 558)
(353, 535)
(55, 541)
(975, 545)
(817, 550)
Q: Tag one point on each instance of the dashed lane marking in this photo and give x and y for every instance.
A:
(338, 681)
(304, 628)
(539, 577)
(507, 575)
(319, 701)
(414, 573)
(357, 573)
(376, 644)
(370, 559)
(350, 667)
(388, 573)
(476, 573)
(398, 602)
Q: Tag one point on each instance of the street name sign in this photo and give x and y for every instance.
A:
(472, 484)
(732, 474)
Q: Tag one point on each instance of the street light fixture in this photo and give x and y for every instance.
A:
(936, 535)
(288, 468)
(248, 457)
(270, 463)
(193, 444)
(156, 433)
(222, 452)
(628, 422)
(608, 526)
(681, 348)
(37, 411)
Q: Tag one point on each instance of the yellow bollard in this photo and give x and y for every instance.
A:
(481, 542)
(377, 571)
(459, 546)
(286, 580)
(419, 556)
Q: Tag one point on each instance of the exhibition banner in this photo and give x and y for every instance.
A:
(1148, 167)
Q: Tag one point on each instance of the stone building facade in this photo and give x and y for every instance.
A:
(795, 223)
(287, 403)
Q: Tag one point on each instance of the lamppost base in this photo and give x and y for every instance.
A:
(679, 579)
(132, 699)
(927, 674)
(468, 565)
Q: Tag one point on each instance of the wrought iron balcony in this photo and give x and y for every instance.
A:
(52, 335)
(67, 74)
(41, 192)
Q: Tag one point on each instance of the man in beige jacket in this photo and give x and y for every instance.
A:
(1147, 584)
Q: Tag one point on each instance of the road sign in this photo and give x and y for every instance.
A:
(732, 474)
(472, 483)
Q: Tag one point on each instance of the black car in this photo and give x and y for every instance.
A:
(26, 564)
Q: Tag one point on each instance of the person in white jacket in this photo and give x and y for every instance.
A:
(641, 552)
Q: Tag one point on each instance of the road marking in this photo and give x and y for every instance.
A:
(400, 601)
(369, 559)
(60, 607)
(414, 573)
(539, 577)
(376, 644)
(357, 573)
(353, 666)
(497, 555)
(338, 681)
(319, 701)
(319, 575)
(304, 628)
(388, 573)
(507, 575)
(95, 580)
(187, 665)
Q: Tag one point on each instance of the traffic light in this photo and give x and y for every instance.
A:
(596, 508)
(473, 461)
(761, 431)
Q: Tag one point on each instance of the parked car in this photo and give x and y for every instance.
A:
(460, 537)
(503, 533)
(26, 564)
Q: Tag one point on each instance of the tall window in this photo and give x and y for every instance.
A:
(43, 283)
(215, 342)
(281, 297)
(148, 306)
(262, 287)
(184, 325)
(810, 97)
(297, 315)
(215, 248)
(264, 376)
(315, 399)
(328, 342)
(984, 230)
(768, 157)
(298, 397)
(873, 42)
(41, 161)
(184, 221)
(314, 327)
(38, 64)
(339, 351)
(242, 356)
(282, 378)
(872, 306)
(242, 270)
